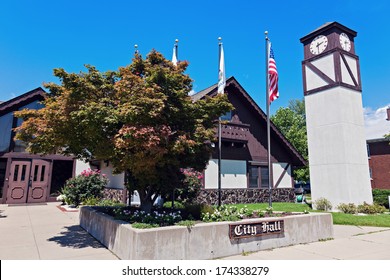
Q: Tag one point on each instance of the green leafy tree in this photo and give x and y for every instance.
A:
(140, 118)
(291, 122)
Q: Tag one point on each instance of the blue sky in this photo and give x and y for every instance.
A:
(37, 36)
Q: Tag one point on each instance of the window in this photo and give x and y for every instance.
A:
(264, 176)
(253, 176)
(258, 176)
(227, 116)
(5, 128)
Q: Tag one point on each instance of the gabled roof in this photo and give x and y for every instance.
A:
(212, 91)
(21, 100)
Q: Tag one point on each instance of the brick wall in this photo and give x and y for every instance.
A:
(380, 171)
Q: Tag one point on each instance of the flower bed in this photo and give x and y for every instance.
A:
(203, 240)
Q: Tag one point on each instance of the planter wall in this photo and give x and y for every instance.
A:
(203, 241)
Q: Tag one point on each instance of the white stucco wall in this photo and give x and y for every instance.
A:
(345, 76)
(115, 181)
(326, 64)
(233, 174)
(278, 172)
(81, 166)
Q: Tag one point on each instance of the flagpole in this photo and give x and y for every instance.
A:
(268, 121)
(219, 138)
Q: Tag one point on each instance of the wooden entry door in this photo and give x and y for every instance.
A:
(28, 181)
(19, 178)
(39, 181)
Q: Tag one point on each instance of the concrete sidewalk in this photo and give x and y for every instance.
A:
(349, 243)
(45, 232)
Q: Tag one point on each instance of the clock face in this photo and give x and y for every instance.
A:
(345, 42)
(319, 44)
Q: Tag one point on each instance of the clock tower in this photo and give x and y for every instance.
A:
(338, 157)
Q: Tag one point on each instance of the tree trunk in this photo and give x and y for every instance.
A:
(146, 204)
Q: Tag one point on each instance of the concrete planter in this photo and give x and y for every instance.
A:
(203, 241)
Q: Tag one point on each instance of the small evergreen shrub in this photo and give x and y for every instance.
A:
(323, 204)
(364, 208)
(349, 208)
(371, 209)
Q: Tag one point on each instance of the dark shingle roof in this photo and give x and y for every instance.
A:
(212, 90)
(21, 100)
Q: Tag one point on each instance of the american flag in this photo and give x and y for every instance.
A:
(272, 76)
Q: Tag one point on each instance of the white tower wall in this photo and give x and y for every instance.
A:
(338, 157)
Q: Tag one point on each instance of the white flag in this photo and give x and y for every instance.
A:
(174, 56)
(221, 72)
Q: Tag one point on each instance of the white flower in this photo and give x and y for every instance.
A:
(61, 197)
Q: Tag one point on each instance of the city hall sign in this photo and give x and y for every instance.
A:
(246, 230)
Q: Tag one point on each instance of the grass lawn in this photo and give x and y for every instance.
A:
(278, 206)
(378, 220)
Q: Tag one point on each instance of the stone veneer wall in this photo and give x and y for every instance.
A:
(231, 196)
(115, 194)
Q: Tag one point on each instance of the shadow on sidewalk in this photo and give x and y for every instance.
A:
(76, 237)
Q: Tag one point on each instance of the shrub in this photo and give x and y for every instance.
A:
(349, 208)
(176, 205)
(88, 185)
(381, 197)
(260, 214)
(323, 204)
(364, 208)
(371, 209)
(159, 218)
(144, 225)
(269, 210)
(91, 201)
(191, 185)
(226, 213)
